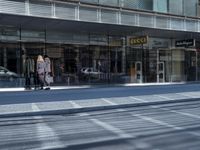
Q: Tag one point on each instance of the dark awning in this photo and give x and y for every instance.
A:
(38, 23)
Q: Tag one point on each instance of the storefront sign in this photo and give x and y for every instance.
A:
(185, 43)
(138, 40)
(158, 43)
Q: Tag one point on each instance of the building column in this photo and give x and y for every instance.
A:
(5, 57)
(124, 55)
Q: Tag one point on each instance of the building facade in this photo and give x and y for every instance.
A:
(101, 41)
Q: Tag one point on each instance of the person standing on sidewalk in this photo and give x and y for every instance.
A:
(29, 71)
(40, 70)
(47, 70)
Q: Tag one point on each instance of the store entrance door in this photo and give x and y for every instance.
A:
(164, 65)
(161, 72)
(135, 65)
(138, 68)
(191, 64)
(184, 65)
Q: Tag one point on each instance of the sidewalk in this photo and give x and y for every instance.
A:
(77, 106)
(20, 89)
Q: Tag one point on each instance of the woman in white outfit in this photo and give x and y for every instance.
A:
(47, 70)
(40, 70)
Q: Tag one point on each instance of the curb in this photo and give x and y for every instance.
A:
(97, 143)
(86, 145)
(89, 109)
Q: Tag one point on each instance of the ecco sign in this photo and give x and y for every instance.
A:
(138, 40)
(185, 43)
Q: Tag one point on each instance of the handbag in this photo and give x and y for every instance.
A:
(48, 79)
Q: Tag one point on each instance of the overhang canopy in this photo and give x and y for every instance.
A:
(45, 24)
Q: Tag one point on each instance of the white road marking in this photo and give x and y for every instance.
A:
(155, 106)
(195, 133)
(46, 135)
(121, 110)
(83, 114)
(177, 112)
(112, 129)
(75, 105)
(164, 97)
(157, 121)
(182, 113)
(138, 99)
(35, 107)
(186, 94)
(109, 102)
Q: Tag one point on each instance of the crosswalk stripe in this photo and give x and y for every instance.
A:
(111, 128)
(138, 99)
(109, 102)
(164, 97)
(43, 131)
(157, 121)
(75, 105)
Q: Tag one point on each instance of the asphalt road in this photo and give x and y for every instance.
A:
(158, 127)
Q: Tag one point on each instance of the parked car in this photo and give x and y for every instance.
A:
(6, 74)
(83, 69)
(88, 71)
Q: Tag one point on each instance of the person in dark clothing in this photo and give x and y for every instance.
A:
(29, 70)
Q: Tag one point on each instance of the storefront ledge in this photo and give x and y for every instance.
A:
(90, 108)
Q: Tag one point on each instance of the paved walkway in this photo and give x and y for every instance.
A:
(17, 89)
(72, 106)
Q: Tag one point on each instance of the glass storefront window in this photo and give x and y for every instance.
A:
(190, 7)
(10, 54)
(84, 64)
(9, 34)
(37, 36)
(137, 4)
(176, 7)
(160, 6)
(90, 1)
(94, 64)
(63, 63)
(10, 64)
(109, 2)
(165, 58)
(190, 65)
(198, 65)
(178, 59)
(91, 58)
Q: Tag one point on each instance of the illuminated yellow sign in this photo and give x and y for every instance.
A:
(138, 40)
